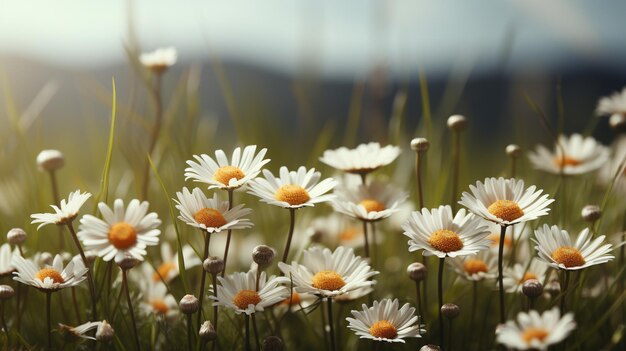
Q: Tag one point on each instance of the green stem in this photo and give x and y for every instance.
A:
(500, 275)
(292, 221)
(48, 296)
(256, 332)
(92, 288)
(189, 331)
(418, 177)
(330, 322)
(367, 245)
(419, 300)
(565, 287)
(456, 164)
(230, 232)
(130, 308)
(207, 241)
(247, 323)
(440, 297)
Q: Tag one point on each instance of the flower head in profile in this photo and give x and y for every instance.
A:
(335, 230)
(506, 201)
(615, 167)
(293, 189)
(371, 202)
(49, 278)
(156, 299)
(612, 105)
(438, 232)
(6, 259)
(210, 214)
(479, 267)
(64, 213)
(121, 230)
(536, 332)
(328, 274)
(238, 291)
(224, 174)
(160, 59)
(363, 159)
(571, 156)
(386, 321)
(556, 248)
(515, 276)
(80, 331)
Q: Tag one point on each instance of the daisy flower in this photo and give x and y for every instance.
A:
(329, 274)
(156, 299)
(79, 331)
(362, 160)
(536, 332)
(572, 155)
(160, 59)
(372, 202)
(210, 214)
(555, 247)
(515, 276)
(385, 321)
(6, 259)
(335, 230)
(49, 278)
(612, 167)
(476, 268)
(438, 232)
(612, 105)
(168, 270)
(222, 174)
(63, 214)
(506, 201)
(238, 291)
(120, 230)
(293, 189)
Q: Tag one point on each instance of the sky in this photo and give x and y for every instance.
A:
(322, 36)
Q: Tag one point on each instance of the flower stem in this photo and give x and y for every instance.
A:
(500, 269)
(367, 244)
(215, 315)
(450, 336)
(247, 319)
(4, 324)
(92, 289)
(207, 241)
(330, 322)
(440, 297)
(474, 302)
(418, 177)
(230, 232)
(256, 332)
(48, 296)
(189, 331)
(158, 122)
(565, 287)
(419, 300)
(456, 165)
(55, 196)
(130, 308)
(292, 222)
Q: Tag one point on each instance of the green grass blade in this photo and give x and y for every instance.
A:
(104, 182)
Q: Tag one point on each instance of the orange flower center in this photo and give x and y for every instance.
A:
(566, 161)
(122, 235)
(445, 240)
(505, 209)
(292, 194)
(226, 173)
(210, 217)
(383, 329)
(528, 276)
(474, 266)
(163, 270)
(568, 256)
(294, 300)
(532, 333)
(372, 205)
(349, 234)
(244, 298)
(50, 273)
(159, 306)
(328, 280)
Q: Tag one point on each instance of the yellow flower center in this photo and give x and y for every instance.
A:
(163, 270)
(292, 194)
(568, 256)
(474, 266)
(566, 161)
(445, 240)
(244, 298)
(327, 280)
(294, 300)
(505, 209)
(349, 234)
(122, 235)
(528, 276)
(226, 173)
(532, 333)
(383, 329)
(210, 217)
(372, 205)
(50, 273)
(159, 306)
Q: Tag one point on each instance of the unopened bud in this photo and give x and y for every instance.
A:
(50, 160)
(105, 332)
(263, 255)
(591, 213)
(189, 304)
(6, 292)
(417, 271)
(457, 123)
(532, 288)
(127, 262)
(207, 331)
(273, 343)
(420, 144)
(514, 151)
(618, 121)
(213, 265)
(16, 236)
(430, 347)
(450, 310)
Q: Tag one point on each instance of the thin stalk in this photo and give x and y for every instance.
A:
(419, 300)
(440, 297)
(256, 332)
(456, 164)
(207, 241)
(425, 282)
(450, 335)
(565, 287)
(292, 222)
(75, 303)
(156, 130)
(230, 232)
(48, 296)
(513, 166)
(418, 177)
(55, 196)
(18, 312)
(330, 322)
(367, 245)
(4, 324)
(130, 308)
(474, 302)
(374, 246)
(258, 277)
(247, 323)
(214, 281)
(189, 331)
(92, 288)
(500, 269)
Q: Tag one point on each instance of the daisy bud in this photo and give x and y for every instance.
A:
(207, 331)
(591, 213)
(420, 144)
(532, 288)
(105, 332)
(618, 121)
(417, 271)
(16, 236)
(6, 292)
(514, 151)
(213, 265)
(273, 343)
(50, 160)
(430, 347)
(189, 304)
(457, 123)
(127, 262)
(450, 310)
(263, 255)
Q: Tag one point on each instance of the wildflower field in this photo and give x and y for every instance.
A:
(162, 229)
